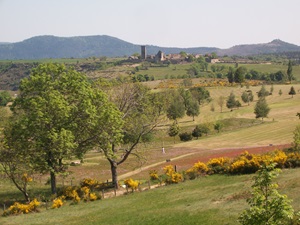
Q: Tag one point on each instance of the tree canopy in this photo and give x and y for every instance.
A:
(58, 115)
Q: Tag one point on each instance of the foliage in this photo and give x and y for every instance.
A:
(218, 126)
(133, 184)
(58, 114)
(193, 109)
(153, 175)
(239, 74)
(232, 102)
(218, 165)
(198, 169)
(141, 113)
(197, 132)
(263, 92)
(18, 208)
(4, 98)
(185, 136)
(290, 71)
(296, 143)
(173, 130)
(267, 205)
(200, 94)
(172, 176)
(57, 202)
(292, 91)
(261, 108)
(247, 96)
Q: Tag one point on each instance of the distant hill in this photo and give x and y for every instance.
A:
(80, 47)
(273, 47)
(102, 45)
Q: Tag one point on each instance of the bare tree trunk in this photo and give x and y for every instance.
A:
(114, 173)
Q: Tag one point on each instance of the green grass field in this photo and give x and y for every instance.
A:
(201, 201)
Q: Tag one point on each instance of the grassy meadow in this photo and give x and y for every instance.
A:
(213, 200)
(210, 200)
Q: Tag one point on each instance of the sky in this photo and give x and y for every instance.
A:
(165, 23)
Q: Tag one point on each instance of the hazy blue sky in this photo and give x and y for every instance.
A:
(167, 23)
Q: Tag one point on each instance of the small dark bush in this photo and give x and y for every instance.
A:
(185, 136)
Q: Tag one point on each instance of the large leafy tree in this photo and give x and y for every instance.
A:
(261, 108)
(58, 115)
(141, 112)
(193, 109)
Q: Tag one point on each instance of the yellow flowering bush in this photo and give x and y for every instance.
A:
(245, 163)
(132, 184)
(293, 160)
(57, 202)
(153, 175)
(71, 194)
(199, 168)
(218, 165)
(18, 208)
(279, 157)
(172, 175)
(88, 182)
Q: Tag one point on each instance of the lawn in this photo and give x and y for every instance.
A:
(201, 201)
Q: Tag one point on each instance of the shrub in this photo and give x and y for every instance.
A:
(153, 175)
(218, 165)
(58, 202)
(132, 184)
(18, 208)
(185, 136)
(172, 175)
(71, 193)
(198, 169)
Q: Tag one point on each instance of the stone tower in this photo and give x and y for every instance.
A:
(143, 52)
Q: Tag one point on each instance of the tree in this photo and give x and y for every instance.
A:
(58, 115)
(16, 168)
(173, 130)
(197, 132)
(193, 109)
(239, 74)
(221, 101)
(263, 92)
(176, 108)
(292, 91)
(230, 75)
(141, 112)
(200, 94)
(247, 96)
(4, 98)
(280, 92)
(290, 71)
(261, 108)
(267, 205)
(231, 101)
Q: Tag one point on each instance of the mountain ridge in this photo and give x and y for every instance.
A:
(49, 46)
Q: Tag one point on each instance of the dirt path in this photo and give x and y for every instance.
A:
(186, 161)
